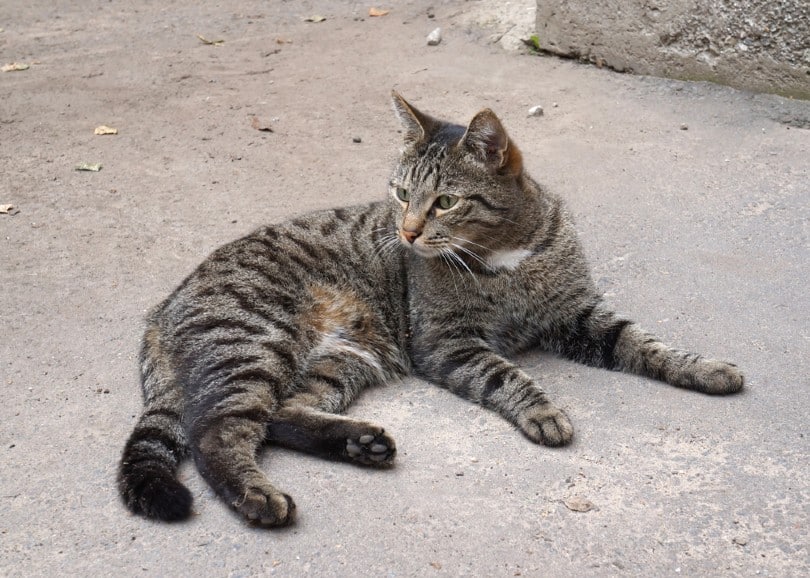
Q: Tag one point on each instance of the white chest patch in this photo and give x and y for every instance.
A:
(510, 259)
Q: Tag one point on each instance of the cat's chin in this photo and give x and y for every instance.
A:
(424, 252)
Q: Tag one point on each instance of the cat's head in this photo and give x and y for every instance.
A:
(459, 188)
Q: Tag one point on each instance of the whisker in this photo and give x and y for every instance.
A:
(460, 261)
(387, 246)
(471, 254)
(392, 246)
(462, 239)
(451, 266)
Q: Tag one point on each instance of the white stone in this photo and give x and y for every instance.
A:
(434, 37)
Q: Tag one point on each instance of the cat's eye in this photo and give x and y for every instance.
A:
(446, 201)
(403, 194)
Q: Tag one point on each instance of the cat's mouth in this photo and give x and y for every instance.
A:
(423, 250)
(447, 249)
(414, 241)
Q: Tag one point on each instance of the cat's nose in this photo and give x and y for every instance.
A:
(410, 236)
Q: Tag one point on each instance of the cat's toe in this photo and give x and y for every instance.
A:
(266, 507)
(372, 449)
(547, 425)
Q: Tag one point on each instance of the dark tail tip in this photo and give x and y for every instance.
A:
(154, 494)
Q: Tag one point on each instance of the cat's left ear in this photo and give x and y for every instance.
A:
(486, 140)
(418, 126)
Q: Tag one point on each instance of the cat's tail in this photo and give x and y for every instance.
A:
(147, 476)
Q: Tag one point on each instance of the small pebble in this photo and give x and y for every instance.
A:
(740, 540)
(536, 111)
(434, 37)
(357, 139)
(684, 126)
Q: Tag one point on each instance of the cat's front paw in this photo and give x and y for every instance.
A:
(546, 424)
(715, 377)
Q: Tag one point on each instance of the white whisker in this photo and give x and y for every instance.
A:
(451, 266)
(458, 260)
(471, 254)
(387, 246)
(463, 240)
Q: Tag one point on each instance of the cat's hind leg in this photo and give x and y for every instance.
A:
(308, 421)
(307, 429)
(598, 337)
(226, 432)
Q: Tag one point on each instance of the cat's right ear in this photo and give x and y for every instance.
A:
(417, 125)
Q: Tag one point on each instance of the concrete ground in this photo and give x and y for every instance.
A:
(692, 201)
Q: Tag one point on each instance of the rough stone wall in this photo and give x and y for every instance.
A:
(760, 45)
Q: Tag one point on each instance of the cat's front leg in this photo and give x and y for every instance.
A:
(471, 369)
(599, 337)
(639, 352)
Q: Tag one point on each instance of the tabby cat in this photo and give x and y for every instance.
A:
(467, 262)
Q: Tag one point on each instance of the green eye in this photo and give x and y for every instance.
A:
(403, 194)
(446, 201)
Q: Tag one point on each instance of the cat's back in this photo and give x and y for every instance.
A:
(272, 277)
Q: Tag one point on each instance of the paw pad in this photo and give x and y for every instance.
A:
(370, 449)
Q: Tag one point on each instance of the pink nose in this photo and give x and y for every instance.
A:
(410, 236)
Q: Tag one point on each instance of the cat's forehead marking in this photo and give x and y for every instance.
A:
(427, 170)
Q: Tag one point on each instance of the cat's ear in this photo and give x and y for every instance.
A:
(486, 140)
(417, 125)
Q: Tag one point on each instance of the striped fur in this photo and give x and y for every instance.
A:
(467, 262)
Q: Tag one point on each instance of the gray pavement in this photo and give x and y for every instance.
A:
(692, 200)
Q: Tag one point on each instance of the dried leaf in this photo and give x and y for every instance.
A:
(258, 125)
(377, 12)
(315, 18)
(94, 167)
(15, 66)
(578, 504)
(6, 209)
(204, 40)
(103, 129)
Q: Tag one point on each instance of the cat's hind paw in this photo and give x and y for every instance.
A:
(547, 425)
(371, 449)
(266, 507)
